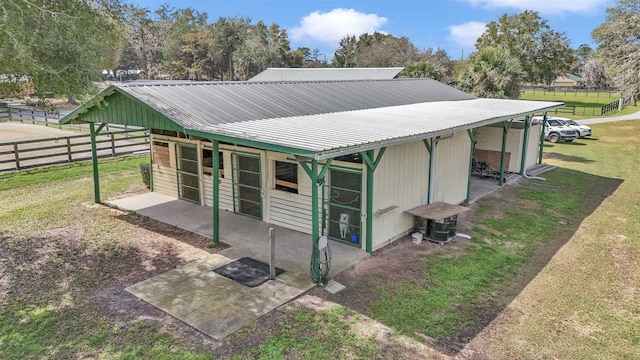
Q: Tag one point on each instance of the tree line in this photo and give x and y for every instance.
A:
(63, 46)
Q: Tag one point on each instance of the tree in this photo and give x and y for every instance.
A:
(543, 53)
(618, 41)
(594, 74)
(228, 35)
(492, 73)
(423, 69)
(345, 56)
(60, 46)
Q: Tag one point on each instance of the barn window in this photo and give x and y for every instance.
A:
(207, 163)
(160, 151)
(286, 177)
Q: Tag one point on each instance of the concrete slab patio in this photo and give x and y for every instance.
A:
(210, 302)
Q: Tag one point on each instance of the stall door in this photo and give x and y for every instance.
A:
(343, 205)
(188, 179)
(247, 185)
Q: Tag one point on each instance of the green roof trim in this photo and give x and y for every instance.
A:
(574, 77)
(115, 106)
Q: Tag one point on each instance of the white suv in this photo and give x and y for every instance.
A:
(583, 130)
(556, 129)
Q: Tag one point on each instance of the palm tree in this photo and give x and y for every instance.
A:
(492, 73)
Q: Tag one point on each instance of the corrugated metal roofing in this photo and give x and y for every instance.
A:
(326, 74)
(192, 105)
(327, 118)
(329, 135)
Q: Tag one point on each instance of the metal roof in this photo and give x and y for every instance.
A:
(192, 105)
(326, 74)
(328, 119)
(330, 135)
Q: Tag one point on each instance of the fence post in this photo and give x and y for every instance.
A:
(33, 117)
(69, 149)
(16, 155)
(113, 146)
(10, 113)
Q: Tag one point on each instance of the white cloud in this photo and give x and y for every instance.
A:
(466, 34)
(543, 6)
(330, 27)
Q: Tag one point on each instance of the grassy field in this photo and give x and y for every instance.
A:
(552, 272)
(588, 105)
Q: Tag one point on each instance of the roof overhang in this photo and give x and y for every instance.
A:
(343, 133)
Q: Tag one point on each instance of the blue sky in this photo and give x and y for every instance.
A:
(453, 25)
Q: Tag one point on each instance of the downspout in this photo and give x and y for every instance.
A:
(215, 173)
(525, 146)
(94, 159)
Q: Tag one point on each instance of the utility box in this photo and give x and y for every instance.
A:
(437, 221)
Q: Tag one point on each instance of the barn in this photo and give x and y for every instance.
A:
(345, 159)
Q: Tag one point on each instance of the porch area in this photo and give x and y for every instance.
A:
(215, 304)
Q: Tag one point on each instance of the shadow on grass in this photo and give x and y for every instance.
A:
(567, 158)
(589, 190)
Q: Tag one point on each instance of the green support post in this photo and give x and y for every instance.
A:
(430, 148)
(505, 130)
(544, 124)
(525, 145)
(215, 173)
(315, 232)
(372, 164)
(473, 135)
(315, 261)
(94, 159)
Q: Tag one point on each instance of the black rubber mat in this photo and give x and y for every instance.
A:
(246, 271)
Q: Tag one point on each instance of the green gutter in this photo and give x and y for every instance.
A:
(473, 135)
(254, 144)
(505, 130)
(525, 144)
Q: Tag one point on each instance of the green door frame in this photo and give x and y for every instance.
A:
(178, 150)
(235, 165)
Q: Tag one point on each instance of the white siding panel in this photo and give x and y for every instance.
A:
(533, 146)
(226, 194)
(451, 169)
(400, 180)
(165, 180)
(490, 138)
(291, 210)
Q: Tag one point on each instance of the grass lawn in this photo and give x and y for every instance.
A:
(552, 272)
(588, 105)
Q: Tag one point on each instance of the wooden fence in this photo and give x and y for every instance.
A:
(34, 116)
(25, 154)
(610, 108)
